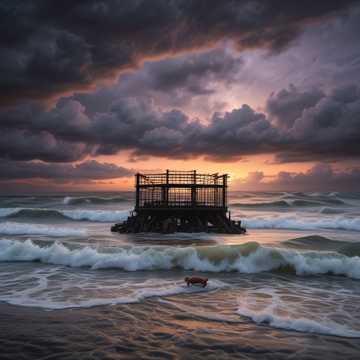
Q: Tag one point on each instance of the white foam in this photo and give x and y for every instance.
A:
(297, 222)
(189, 258)
(277, 315)
(67, 200)
(41, 288)
(15, 228)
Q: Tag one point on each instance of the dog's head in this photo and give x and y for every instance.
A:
(187, 279)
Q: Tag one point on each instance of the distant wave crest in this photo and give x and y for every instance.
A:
(280, 203)
(295, 222)
(76, 214)
(17, 228)
(72, 200)
(290, 203)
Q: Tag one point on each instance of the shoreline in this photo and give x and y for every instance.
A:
(152, 330)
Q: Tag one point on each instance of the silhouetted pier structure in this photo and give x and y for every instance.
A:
(180, 201)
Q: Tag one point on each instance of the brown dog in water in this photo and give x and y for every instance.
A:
(196, 280)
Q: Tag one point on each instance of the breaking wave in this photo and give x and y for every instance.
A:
(294, 222)
(280, 203)
(14, 228)
(76, 214)
(330, 211)
(277, 315)
(316, 242)
(289, 202)
(72, 200)
(96, 215)
(35, 213)
(246, 258)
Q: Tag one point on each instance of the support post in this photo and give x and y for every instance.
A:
(193, 190)
(137, 183)
(224, 190)
(167, 189)
(216, 195)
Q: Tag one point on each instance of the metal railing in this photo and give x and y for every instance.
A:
(180, 189)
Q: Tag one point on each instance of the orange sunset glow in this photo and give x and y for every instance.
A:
(179, 179)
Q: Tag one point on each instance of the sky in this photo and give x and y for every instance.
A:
(92, 92)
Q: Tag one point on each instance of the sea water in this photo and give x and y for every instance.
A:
(297, 269)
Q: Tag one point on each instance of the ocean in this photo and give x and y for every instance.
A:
(289, 288)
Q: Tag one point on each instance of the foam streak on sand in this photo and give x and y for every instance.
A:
(246, 258)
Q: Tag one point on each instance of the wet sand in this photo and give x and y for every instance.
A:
(153, 330)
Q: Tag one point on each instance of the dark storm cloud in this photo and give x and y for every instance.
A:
(134, 123)
(85, 171)
(172, 82)
(320, 177)
(19, 144)
(236, 133)
(287, 105)
(328, 130)
(318, 126)
(48, 48)
(192, 72)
